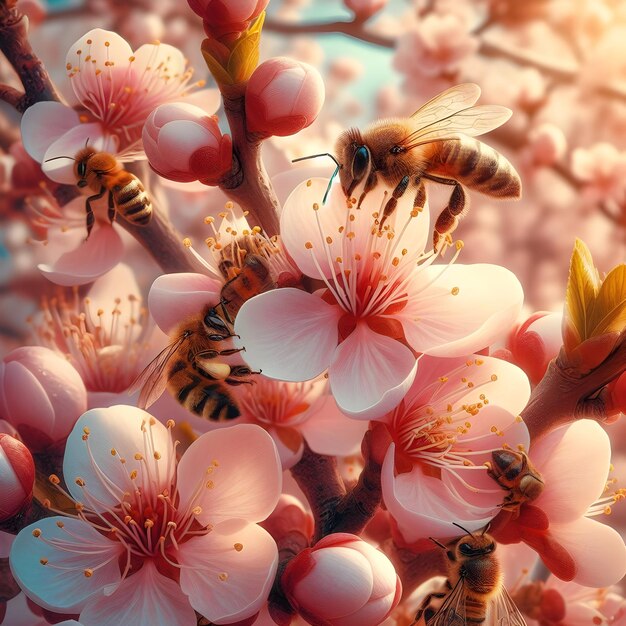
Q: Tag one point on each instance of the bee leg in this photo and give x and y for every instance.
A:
(111, 211)
(370, 183)
(449, 217)
(397, 193)
(90, 216)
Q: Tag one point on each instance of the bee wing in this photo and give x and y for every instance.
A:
(134, 152)
(153, 380)
(447, 103)
(452, 611)
(503, 612)
(472, 122)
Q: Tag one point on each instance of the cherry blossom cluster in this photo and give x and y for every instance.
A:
(276, 401)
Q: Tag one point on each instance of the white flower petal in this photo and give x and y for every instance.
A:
(288, 334)
(243, 467)
(370, 373)
(43, 123)
(63, 587)
(145, 597)
(249, 572)
(116, 428)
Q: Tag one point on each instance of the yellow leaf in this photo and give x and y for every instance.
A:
(583, 286)
(245, 55)
(608, 314)
(219, 73)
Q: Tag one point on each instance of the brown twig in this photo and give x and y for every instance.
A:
(16, 48)
(248, 184)
(564, 394)
(318, 477)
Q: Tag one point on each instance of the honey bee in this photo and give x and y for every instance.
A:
(514, 471)
(190, 366)
(102, 173)
(435, 144)
(473, 592)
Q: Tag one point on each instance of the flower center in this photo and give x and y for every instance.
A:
(108, 354)
(143, 514)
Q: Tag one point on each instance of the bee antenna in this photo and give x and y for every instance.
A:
(463, 529)
(337, 168)
(485, 529)
(438, 543)
(87, 142)
(60, 157)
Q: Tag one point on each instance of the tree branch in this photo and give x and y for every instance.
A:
(16, 48)
(248, 184)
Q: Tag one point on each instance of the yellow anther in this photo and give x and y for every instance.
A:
(37, 532)
(223, 576)
(80, 482)
(187, 242)
(238, 547)
(54, 479)
(308, 245)
(43, 561)
(455, 291)
(88, 572)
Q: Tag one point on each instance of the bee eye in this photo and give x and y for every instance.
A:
(466, 549)
(82, 169)
(360, 162)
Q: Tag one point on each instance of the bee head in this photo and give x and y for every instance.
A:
(355, 157)
(81, 165)
(473, 546)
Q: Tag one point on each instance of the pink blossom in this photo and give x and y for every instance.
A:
(226, 20)
(283, 96)
(184, 144)
(574, 461)
(17, 476)
(456, 412)
(41, 395)
(118, 87)
(551, 601)
(384, 300)
(357, 583)
(437, 46)
(105, 336)
(155, 539)
(289, 516)
(534, 343)
(364, 9)
(547, 145)
(602, 170)
(297, 412)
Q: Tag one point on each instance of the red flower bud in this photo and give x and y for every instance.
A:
(183, 143)
(364, 9)
(226, 20)
(283, 97)
(17, 476)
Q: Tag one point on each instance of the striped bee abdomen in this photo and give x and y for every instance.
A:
(132, 201)
(477, 166)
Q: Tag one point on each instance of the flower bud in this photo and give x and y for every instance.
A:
(41, 395)
(17, 476)
(283, 97)
(548, 144)
(535, 343)
(183, 143)
(226, 20)
(364, 9)
(342, 581)
(289, 516)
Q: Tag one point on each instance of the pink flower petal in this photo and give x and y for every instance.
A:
(175, 297)
(328, 431)
(209, 100)
(439, 323)
(43, 123)
(288, 334)
(145, 597)
(598, 551)
(61, 170)
(63, 588)
(244, 470)
(115, 428)
(149, 55)
(93, 258)
(370, 373)
(101, 45)
(574, 461)
(249, 572)
(301, 225)
(423, 506)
